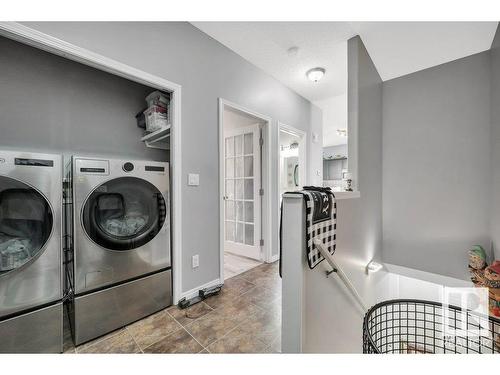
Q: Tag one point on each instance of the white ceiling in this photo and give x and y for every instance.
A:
(399, 48)
(396, 48)
(265, 44)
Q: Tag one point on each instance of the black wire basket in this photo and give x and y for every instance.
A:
(420, 327)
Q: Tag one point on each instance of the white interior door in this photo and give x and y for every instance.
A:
(242, 183)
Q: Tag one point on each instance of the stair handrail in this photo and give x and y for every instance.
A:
(341, 274)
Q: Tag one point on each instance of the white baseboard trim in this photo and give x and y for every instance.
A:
(274, 258)
(194, 292)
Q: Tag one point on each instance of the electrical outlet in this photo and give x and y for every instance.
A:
(193, 179)
(195, 261)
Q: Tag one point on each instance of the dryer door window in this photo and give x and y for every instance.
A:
(25, 223)
(124, 213)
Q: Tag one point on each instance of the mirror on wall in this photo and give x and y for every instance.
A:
(289, 162)
(291, 165)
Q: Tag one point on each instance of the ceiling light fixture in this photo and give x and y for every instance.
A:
(315, 74)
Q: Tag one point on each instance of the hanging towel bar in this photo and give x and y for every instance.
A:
(340, 273)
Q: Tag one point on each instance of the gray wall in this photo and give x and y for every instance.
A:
(48, 103)
(206, 70)
(436, 160)
(365, 100)
(495, 143)
(359, 226)
(314, 149)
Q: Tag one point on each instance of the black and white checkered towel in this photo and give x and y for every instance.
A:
(321, 222)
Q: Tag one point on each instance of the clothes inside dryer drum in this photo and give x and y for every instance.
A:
(14, 252)
(120, 220)
(124, 213)
(25, 223)
(127, 226)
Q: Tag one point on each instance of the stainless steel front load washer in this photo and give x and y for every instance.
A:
(121, 243)
(31, 274)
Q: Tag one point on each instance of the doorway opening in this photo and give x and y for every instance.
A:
(244, 176)
(292, 159)
(292, 144)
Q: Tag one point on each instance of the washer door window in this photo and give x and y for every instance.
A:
(124, 213)
(25, 223)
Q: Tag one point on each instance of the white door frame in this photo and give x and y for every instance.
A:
(266, 180)
(35, 38)
(302, 135)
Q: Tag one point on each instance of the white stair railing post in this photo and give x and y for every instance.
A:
(294, 266)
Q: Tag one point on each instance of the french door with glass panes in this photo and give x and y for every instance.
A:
(242, 201)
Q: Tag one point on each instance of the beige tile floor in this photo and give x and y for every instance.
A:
(244, 318)
(235, 264)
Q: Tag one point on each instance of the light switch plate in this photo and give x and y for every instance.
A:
(193, 179)
(195, 261)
